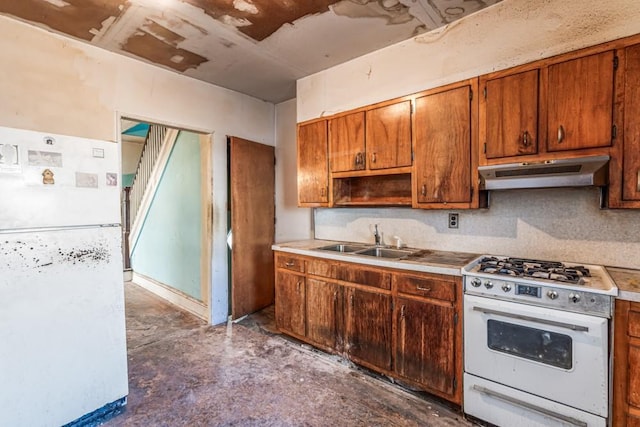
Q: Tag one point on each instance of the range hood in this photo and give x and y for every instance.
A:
(577, 172)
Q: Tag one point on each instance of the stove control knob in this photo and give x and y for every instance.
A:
(488, 284)
(506, 287)
(552, 294)
(476, 283)
(574, 297)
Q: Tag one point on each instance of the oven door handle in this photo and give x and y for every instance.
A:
(533, 319)
(529, 406)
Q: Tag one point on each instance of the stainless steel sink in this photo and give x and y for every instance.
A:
(342, 248)
(384, 253)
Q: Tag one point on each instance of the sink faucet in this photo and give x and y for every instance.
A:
(377, 236)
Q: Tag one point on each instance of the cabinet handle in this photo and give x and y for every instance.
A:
(351, 300)
(323, 191)
(289, 264)
(420, 288)
(638, 183)
(525, 138)
(335, 296)
(402, 311)
(358, 159)
(423, 190)
(373, 157)
(560, 134)
(299, 284)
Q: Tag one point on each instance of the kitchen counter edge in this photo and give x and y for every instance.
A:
(308, 248)
(628, 282)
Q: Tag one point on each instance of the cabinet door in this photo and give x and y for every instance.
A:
(511, 115)
(580, 103)
(388, 136)
(425, 344)
(322, 312)
(290, 303)
(631, 154)
(346, 143)
(634, 372)
(443, 147)
(368, 328)
(313, 174)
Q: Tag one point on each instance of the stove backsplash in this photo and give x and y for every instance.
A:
(553, 224)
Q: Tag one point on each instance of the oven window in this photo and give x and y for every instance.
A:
(542, 346)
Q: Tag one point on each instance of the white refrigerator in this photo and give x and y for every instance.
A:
(62, 325)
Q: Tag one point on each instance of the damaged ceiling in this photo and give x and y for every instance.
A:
(257, 47)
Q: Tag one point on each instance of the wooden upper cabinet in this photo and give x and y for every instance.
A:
(510, 115)
(442, 171)
(580, 103)
(346, 143)
(313, 174)
(631, 148)
(388, 136)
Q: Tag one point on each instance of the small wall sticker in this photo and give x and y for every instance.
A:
(112, 179)
(86, 180)
(47, 177)
(44, 158)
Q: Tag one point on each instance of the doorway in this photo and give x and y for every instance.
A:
(170, 230)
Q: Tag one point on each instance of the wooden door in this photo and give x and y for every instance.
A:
(443, 147)
(290, 303)
(425, 344)
(580, 103)
(346, 143)
(368, 328)
(313, 173)
(252, 188)
(322, 312)
(388, 136)
(631, 152)
(511, 115)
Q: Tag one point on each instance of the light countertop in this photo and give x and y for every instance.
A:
(627, 281)
(423, 260)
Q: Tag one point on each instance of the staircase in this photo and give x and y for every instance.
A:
(137, 198)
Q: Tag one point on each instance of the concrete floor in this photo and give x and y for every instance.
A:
(183, 372)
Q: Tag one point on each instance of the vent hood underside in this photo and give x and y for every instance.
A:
(577, 172)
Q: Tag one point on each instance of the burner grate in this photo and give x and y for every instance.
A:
(523, 267)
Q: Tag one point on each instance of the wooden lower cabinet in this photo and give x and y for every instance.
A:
(401, 324)
(424, 351)
(626, 365)
(368, 328)
(323, 304)
(290, 303)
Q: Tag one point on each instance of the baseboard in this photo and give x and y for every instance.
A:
(172, 295)
(128, 275)
(100, 415)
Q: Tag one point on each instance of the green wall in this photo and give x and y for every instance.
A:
(168, 246)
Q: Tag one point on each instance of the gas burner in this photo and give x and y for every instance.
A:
(523, 267)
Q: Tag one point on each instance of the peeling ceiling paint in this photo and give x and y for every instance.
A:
(257, 47)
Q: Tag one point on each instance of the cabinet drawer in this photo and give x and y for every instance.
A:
(363, 276)
(319, 267)
(633, 328)
(290, 263)
(438, 287)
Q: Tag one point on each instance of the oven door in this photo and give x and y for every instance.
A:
(553, 354)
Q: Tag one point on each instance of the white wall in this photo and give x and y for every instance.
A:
(563, 224)
(509, 33)
(57, 85)
(130, 156)
(292, 223)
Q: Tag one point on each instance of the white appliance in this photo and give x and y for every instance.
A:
(536, 342)
(62, 327)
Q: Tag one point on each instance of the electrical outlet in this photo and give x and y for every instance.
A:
(453, 220)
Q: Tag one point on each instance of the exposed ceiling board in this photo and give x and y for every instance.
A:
(257, 47)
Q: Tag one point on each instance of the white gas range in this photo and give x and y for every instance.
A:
(536, 342)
